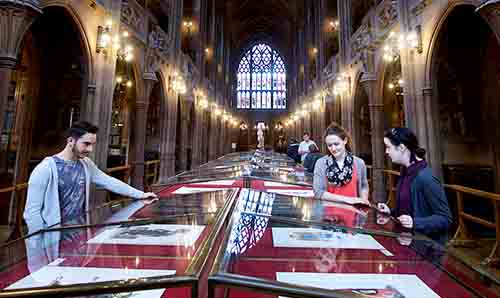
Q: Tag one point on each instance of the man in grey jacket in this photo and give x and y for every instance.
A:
(58, 188)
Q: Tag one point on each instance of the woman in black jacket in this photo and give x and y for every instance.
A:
(421, 202)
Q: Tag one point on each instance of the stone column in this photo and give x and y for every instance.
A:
(431, 143)
(15, 19)
(141, 118)
(345, 30)
(214, 136)
(197, 121)
(308, 41)
(168, 136)
(408, 73)
(369, 83)
(184, 134)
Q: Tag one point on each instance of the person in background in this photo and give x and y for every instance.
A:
(304, 146)
(340, 176)
(312, 158)
(293, 150)
(58, 188)
(421, 203)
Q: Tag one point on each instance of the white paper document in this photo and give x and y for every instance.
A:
(408, 285)
(153, 234)
(190, 190)
(305, 193)
(216, 182)
(316, 238)
(52, 275)
(274, 184)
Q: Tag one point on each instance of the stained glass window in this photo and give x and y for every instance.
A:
(261, 79)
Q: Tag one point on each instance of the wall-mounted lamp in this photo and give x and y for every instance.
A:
(178, 84)
(342, 84)
(123, 81)
(396, 86)
(316, 104)
(105, 39)
(396, 42)
(243, 126)
(104, 36)
(334, 24)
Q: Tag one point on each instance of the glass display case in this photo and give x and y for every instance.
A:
(158, 248)
(245, 225)
(274, 246)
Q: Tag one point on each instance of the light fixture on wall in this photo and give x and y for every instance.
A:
(178, 84)
(396, 86)
(243, 126)
(188, 24)
(316, 103)
(124, 81)
(118, 42)
(278, 126)
(396, 42)
(334, 24)
(342, 84)
(104, 36)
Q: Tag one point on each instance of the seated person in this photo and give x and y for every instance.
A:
(293, 150)
(312, 157)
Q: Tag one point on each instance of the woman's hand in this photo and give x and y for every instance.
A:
(406, 221)
(362, 201)
(383, 208)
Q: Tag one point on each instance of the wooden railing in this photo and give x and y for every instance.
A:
(151, 172)
(463, 236)
(18, 197)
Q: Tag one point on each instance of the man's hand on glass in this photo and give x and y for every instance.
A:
(149, 198)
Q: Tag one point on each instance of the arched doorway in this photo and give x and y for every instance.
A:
(153, 123)
(47, 90)
(362, 125)
(61, 78)
(121, 133)
(465, 72)
(393, 96)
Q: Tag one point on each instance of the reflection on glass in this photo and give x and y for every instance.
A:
(250, 225)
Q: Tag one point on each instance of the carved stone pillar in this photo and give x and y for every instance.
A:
(141, 118)
(428, 132)
(168, 136)
(368, 82)
(345, 20)
(16, 16)
(196, 151)
(184, 134)
(214, 136)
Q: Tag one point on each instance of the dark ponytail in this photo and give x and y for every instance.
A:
(403, 135)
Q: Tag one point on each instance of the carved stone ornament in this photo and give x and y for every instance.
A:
(131, 16)
(420, 7)
(360, 41)
(158, 39)
(154, 59)
(387, 14)
(15, 19)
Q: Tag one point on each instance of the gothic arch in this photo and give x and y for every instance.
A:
(83, 36)
(435, 37)
(361, 120)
